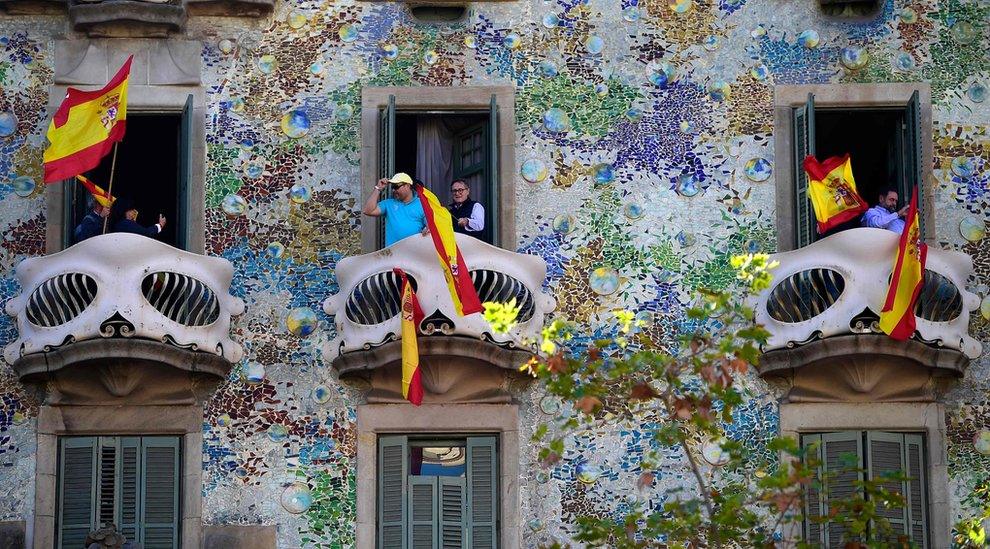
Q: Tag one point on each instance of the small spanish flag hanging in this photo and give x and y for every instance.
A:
(897, 318)
(85, 127)
(832, 189)
(102, 197)
(455, 270)
(412, 315)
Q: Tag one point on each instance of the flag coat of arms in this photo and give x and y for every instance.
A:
(832, 189)
(455, 270)
(412, 315)
(85, 127)
(897, 317)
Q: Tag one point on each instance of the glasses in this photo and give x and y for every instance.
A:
(458, 190)
(396, 187)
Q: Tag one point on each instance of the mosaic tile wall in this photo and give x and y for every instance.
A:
(649, 123)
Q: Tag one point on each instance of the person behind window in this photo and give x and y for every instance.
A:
(403, 213)
(885, 214)
(92, 224)
(468, 216)
(124, 214)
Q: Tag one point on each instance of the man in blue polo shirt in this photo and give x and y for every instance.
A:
(403, 213)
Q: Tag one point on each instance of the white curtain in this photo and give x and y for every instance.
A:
(434, 155)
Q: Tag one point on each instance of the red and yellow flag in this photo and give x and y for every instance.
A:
(897, 317)
(102, 197)
(85, 127)
(412, 315)
(455, 270)
(832, 189)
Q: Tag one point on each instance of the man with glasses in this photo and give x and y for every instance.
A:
(468, 215)
(403, 213)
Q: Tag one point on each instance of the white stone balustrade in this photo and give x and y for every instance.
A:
(124, 286)
(366, 309)
(822, 290)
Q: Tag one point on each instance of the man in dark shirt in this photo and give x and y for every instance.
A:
(92, 224)
(467, 215)
(125, 215)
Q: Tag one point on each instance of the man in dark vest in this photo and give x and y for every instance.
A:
(468, 216)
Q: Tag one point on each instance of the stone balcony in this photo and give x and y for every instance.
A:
(125, 317)
(822, 312)
(462, 359)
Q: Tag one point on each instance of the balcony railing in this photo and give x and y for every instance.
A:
(837, 286)
(124, 287)
(366, 309)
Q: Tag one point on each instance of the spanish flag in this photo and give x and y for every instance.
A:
(412, 315)
(897, 317)
(832, 189)
(455, 270)
(102, 197)
(85, 127)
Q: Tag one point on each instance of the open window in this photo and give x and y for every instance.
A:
(153, 168)
(845, 458)
(439, 146)
(437, 492)
(884, 143)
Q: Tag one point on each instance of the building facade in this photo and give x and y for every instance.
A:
(235, 384)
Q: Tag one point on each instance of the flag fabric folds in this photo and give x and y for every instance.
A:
(832, 189)
(85, 127)
(897, 317)
(412, 315)
(102, 197)
(455, 270)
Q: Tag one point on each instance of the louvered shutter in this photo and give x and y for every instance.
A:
(814, 503)
(885, 456)
(106, 487)
(159, 493)
(129, 483)
(77, 477)
(452, 512)
(912, 156)
(422, 509)
(386, 151)
(493, 208)
(482, 492)
(803, 145)
(840, 480)
(393, 466)
(917, 492)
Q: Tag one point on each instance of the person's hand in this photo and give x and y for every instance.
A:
(903, 211)
(161, 221)
(425, 231)
(463, 221)
(382, 183)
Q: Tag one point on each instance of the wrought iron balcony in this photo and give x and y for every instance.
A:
(367, 308)
(124, 296)
(826, 300)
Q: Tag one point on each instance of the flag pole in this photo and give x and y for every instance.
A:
(113, 165)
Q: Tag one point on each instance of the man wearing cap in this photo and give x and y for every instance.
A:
(403, 213)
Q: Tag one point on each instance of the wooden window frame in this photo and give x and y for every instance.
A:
(859, 96)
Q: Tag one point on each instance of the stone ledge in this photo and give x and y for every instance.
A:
(432, 346)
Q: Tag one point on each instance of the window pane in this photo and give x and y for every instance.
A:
(437, 461)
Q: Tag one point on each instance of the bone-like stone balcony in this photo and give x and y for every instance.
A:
(822, 312)
(368, 321)
(124, 298)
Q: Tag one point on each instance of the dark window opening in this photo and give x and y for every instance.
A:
(850, 9)
(438, 14)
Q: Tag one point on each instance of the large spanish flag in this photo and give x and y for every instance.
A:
(412, 315)
(832, 189)
(102, 197)
(455, 270)
(897, 317)
(85, 127)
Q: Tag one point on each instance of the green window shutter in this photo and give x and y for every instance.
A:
(912, 156)
(803, 145)
(128, 486)
(885, 456)
(386, 151)
(77, 476)
(159, 492)
(422, 505)
(917, 500)
(453, 511)
(814, 503)
(182, 213)
(106, 487)
(840, 482)
(494, 205)
(393, 466)
(482, 493)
